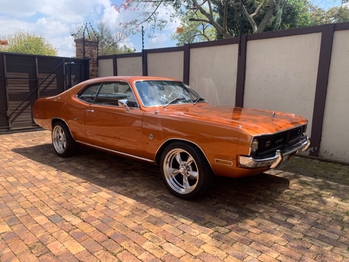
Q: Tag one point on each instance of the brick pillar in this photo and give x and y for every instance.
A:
(91, 53)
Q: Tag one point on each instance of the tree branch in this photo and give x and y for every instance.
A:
(211, 20)
(263, 24)
(145, 20)
(250, 19)
(209, 6)
(198, 20)
(257, 9)
(225, 19)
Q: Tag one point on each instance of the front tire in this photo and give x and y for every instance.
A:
(185, 170)
(62, 141)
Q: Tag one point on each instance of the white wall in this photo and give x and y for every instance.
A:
(213, 73)
(335, 142)
(105, 67)
(281, 74)
(169, 64)
(129, 66)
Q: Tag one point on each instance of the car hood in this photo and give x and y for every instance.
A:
(252, 121)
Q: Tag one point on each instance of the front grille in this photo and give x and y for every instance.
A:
(270, 143)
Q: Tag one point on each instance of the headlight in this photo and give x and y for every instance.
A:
(305, 128)
(254, 146)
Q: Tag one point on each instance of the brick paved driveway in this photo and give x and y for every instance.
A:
(100, 207)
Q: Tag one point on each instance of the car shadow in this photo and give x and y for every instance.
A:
(230, 201)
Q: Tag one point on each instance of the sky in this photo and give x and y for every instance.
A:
(57, 20)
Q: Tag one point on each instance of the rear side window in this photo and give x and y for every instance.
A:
(89, 94)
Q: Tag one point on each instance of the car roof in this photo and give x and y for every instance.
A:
(128, 78)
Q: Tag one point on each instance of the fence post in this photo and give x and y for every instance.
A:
(144, 62)
(321, 88)
(241, 72)
(186, 64)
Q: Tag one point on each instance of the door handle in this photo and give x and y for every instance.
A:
(89, 110)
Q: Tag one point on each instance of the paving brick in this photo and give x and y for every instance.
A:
(147, 257)
(132, 247)
(85, 255)
(172, 229)
(100, 207)
(38, 249)
(306, 259)
(170, 238)
(267, 251)
(208, 257)
(73, 246)
(154, 249)
(27, 256)
(57, 248)
(154, 238)
(329, 255)
(67, 257)
(4, 228)
(9, 256)
(91, 245)
(127, 256)
(189, 248)
(45, 237)
(266, 258)
(173, 250)
(288, 252)
(11, 221)
(237, 238)
(112, 246)
(169, 220)
(137, 238)
(105, 256)
(119, 238)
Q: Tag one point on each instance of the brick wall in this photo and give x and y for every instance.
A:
(91, 53)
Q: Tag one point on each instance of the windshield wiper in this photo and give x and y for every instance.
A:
(174, 100)
(198, 99)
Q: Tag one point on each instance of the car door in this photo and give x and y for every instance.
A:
(76, 110)
(112, 125)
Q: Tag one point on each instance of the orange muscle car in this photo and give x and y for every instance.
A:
(165, 122)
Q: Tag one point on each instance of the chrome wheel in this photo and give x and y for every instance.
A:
(59, 139)
(185, 170)
(62, 141)
(180, 171)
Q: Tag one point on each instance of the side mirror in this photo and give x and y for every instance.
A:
(123, 103)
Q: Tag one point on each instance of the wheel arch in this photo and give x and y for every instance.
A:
(56, 119)
(172, 140)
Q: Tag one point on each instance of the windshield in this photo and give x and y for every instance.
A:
(164, 93)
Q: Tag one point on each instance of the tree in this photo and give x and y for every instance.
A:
(333, 15)
(291, 14)
(25, 43)
(109, 42)
(257, 13)
(288, 14)
(192, 32)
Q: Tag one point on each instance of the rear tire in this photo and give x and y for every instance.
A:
(62, 141)
(185, 170)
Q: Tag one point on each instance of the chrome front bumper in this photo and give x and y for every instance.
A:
(280, 156)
